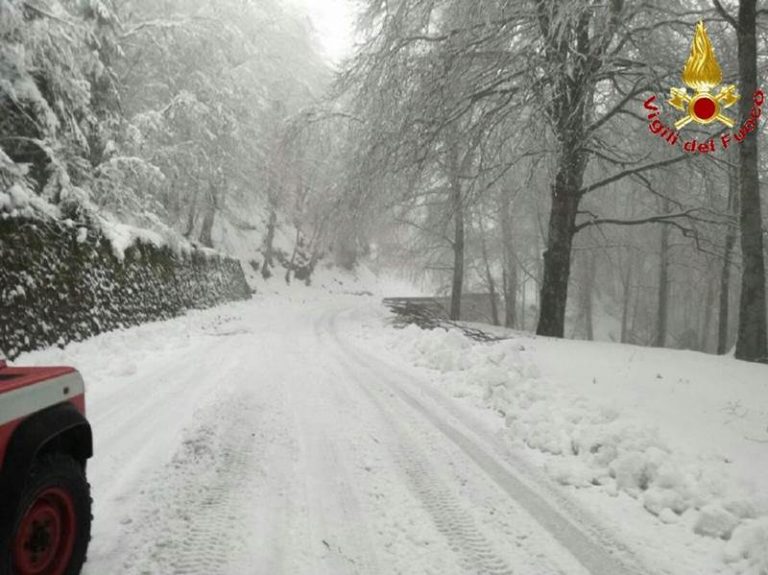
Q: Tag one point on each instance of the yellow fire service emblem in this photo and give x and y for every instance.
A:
(702, 73)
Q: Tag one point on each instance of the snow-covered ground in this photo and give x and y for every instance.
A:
(668, 448)
(298, 433)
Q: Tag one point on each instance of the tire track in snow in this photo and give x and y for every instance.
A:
(476, 553)
(192, 521)
(336, 527)
(593, 549)
(132, 443)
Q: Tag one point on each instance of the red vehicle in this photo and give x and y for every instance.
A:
(45, 441)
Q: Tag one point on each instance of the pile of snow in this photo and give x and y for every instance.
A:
(18, 201)
(122, 235)
(626, 420)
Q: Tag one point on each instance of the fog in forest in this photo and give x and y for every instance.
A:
(522, 149)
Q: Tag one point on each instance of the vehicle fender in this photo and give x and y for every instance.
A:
(59, 428)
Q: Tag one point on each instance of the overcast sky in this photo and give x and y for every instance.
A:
(334, 21)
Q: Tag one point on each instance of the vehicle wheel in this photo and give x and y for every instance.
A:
(52, 524)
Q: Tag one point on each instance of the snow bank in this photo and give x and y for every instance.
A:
(123, 236)
(18, 202)
(749, 545)
(598, 435)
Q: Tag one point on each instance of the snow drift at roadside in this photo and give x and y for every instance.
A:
(599, 441)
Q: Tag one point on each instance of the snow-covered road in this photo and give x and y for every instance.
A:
(266, 438)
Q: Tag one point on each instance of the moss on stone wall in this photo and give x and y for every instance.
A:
(57, 286)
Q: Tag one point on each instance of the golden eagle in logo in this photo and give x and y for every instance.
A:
(702, 74)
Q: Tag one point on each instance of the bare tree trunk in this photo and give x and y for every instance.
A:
(752, 342)
(457, 284)
(457, 205)
(509, 263)
(292, 263)
(269, 240)
(489, 276)
(509, 286)
(574, 67)
(627, 298)
(662, 311)
(725, 274)
(206, 231)
(557, 257)
(708, 308)
(587, 296)
(493, 296)
(192, 215)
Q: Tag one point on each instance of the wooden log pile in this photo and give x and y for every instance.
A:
(428, 313)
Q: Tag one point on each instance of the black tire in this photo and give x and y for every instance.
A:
(56, 492)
